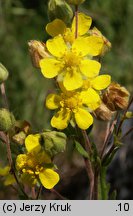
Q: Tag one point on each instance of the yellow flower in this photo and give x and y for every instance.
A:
(72, 63)
(36, 164)
(57, 27)
(8, 178)
(73, 106)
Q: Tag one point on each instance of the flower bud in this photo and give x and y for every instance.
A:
(75, 2)
(103, 113)
(116, 97)
(7, 120)
(22, 129)
(37, 51)
(106, 43)
(54, 142)
(3, 73)
(61, 10)
(129, 115)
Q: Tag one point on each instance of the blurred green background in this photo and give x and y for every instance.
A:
(22, 20)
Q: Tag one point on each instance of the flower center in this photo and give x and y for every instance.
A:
(71, 102)
(71, 59)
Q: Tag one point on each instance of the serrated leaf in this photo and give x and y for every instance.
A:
(81, 150)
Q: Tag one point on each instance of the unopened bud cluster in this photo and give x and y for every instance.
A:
(7, 120)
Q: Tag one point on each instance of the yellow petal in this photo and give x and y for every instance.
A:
(56, 27)
(101, 82)
(95, 45)
(80, 46)
(84, 23)
(21, 161)
(90, 98)
(72, 80)
(50, 67)
(56, 46)
(83, 119)
(61, 119)
(32, 143)
(49, 178)
(90, 68)
(4, 170)
(53, 101)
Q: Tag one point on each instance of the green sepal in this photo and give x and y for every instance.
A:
(53, 142)
(81, 150)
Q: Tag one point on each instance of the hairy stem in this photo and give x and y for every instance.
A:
(87, 142)
(58, 194)
(3, 93)
(91, 177)
(7, 142)
(76, 21)
(88, 164)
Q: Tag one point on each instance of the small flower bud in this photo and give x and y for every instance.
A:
(129, 115)
(116, 97)
(3, 73)
(103, 113)
(75, 2)
(61, 10)
(7, 120)
(54, 142)
(106, 43)
(37, 51)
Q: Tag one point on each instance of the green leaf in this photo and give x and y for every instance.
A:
(108, 158)
(81, 150)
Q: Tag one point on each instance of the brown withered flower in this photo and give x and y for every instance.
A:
(103, 113)
(37, 51)
(116, 97)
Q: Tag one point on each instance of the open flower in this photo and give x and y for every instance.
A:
(73, 106)
(57, 27)
(36, 165)
(72, 63)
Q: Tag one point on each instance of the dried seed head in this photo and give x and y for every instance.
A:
(116, 97)
(37, 51)
(103, 113)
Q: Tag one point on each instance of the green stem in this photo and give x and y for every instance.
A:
(95, 191)
(102, 184)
